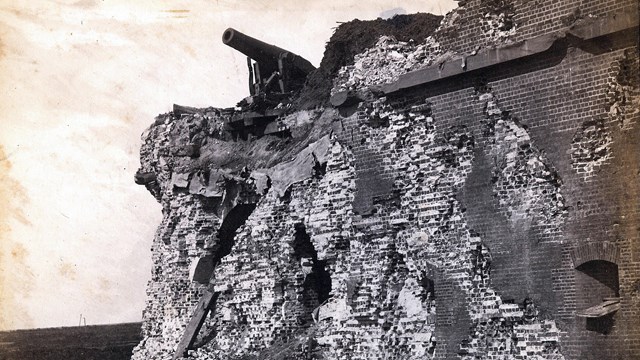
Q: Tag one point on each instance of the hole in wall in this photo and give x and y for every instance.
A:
(227, 232)
(602, 275)
(317, 283)
(428, 288)
(600, 289)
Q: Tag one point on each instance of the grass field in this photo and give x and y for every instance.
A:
(98, 342)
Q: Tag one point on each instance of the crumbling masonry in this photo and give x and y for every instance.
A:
(472, 193)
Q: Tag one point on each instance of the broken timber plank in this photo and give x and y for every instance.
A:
(605, 308)
(179, 110)
(206, 304)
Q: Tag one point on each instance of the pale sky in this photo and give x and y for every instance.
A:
(80, 81)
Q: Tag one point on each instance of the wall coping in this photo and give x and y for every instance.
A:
(463, 64)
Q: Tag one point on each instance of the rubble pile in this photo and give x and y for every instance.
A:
(392, 57)
(497, 22)
(383, 63)
(352, 38)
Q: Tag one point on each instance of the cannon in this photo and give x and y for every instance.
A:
(271, 65)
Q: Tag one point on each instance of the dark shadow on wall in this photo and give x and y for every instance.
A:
(317, 284)
(521, 266)
(600, 284)
(227, 232)
(602, 325)
(452, 317)
(605, 273)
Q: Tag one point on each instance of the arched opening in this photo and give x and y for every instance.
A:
(600, 293)
(602, 276)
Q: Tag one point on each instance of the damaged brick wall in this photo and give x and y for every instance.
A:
(475, 25)
(418, 158)
(591, 146)
(478, 24)
(535, 94)
(526, 186)
(439, 222)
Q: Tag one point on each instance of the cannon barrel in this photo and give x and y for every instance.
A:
(263, 53)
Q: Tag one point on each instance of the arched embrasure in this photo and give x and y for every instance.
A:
(604, 250)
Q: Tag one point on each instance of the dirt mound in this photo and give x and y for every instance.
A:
(354, 37)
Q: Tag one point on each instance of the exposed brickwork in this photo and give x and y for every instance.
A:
(497, 22)
(470, 26)
(623, 90)
(590, 147)
(526, 186)
(186, 226)
(472, 218)
(605, 251)
(568, 87)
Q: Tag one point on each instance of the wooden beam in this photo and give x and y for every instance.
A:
(179, 110)
(206, 304)
(607, 307)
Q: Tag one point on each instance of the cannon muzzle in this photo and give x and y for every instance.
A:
(266, 55)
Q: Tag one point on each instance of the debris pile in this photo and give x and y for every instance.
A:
(392, 56)
(383, 63)
(354, 37)
(497, 22)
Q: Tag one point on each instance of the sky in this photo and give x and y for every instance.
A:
(80, 81)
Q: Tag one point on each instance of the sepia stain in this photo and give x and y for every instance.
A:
(16, 282)
(128, 119)
(189, 50)
(17, 13)
(101, 288)
(85, 4)
(19, 253)
(178, 13)
(68, 271)
(104, 284)
(16, 277)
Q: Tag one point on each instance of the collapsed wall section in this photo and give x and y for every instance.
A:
(466, 218)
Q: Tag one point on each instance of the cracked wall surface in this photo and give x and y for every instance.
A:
(436, 222)
(525, 184)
